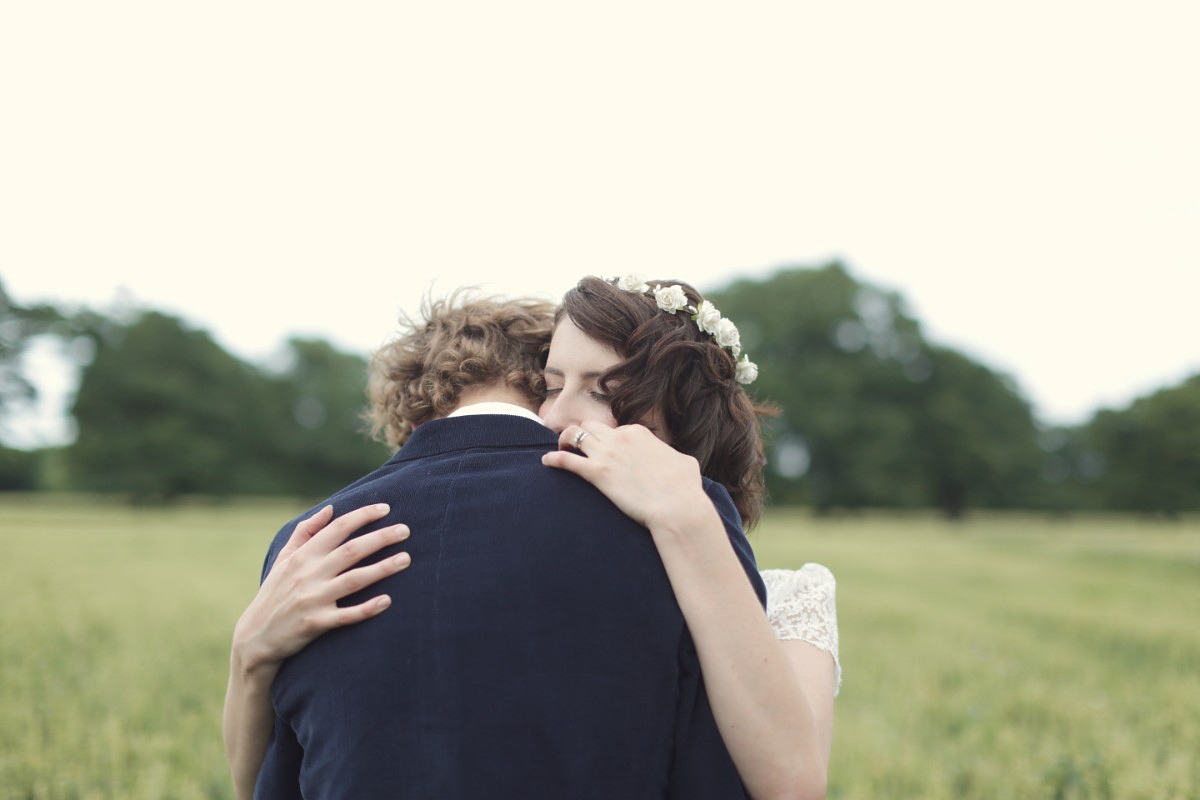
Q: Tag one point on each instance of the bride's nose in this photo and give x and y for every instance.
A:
(560, 411)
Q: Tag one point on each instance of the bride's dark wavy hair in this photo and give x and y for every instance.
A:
(671, 371)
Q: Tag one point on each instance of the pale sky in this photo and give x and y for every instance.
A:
(1026, 174)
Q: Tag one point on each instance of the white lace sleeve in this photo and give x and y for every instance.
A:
(800, 605)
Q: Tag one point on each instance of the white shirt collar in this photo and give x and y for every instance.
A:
(494, 408)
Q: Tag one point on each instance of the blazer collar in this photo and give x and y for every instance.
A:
(479, 430)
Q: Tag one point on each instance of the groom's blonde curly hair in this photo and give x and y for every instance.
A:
(460, 342)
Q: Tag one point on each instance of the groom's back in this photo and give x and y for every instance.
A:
(533, 648)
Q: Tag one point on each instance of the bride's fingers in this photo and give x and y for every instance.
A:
(305, 529)
(578, 437)
(566, 439)
(339, 529)
(338, 616)
(563, 459)
(358, 548)
(354, 580)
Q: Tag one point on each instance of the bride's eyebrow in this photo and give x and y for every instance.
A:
(558, 373)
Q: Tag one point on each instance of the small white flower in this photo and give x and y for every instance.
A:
(726, 334)
(670, 298)
(633, 283)
(707, 317)
(747, 370)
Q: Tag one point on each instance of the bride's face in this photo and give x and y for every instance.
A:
(573, 370)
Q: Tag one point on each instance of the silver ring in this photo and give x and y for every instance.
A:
(578, 438)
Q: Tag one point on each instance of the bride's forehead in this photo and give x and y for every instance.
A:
(571, 348)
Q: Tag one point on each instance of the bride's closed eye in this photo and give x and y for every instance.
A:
(593, 393)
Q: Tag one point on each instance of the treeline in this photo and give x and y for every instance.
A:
(875, 415)
(163, 411)
(872, 414)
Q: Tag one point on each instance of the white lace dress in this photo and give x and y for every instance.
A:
(800, 605)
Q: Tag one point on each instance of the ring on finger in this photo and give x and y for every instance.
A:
(578, 438)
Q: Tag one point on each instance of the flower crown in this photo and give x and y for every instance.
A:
(672, 299)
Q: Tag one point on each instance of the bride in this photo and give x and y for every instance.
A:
(643, 384)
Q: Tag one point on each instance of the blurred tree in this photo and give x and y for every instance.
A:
(321, 437)
(1070, 469)
(873, 415)
(162, 410)
(19, 469)
(1147, 457)
(974, 438)
(19, 325)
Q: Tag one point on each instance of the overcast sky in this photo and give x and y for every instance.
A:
(1026, 174)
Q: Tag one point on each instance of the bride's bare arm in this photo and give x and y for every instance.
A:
(817, 674)
(802, 608)
(772, 700)
(296, 603)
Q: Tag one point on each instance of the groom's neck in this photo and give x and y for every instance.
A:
(494, 393)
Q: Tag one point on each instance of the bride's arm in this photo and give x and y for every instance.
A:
(296, 603)
(802, 610)
(768, 696)
(761, 691)
(815, 671)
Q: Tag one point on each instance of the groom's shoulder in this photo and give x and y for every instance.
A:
(494, 459)
(342, 502)
(732, 521)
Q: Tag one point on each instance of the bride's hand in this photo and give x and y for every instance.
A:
(642, 475)
(298, 600)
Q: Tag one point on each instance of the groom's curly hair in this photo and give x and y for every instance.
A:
(669, 369)
(458, 343)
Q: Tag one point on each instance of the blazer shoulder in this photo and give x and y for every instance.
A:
(732, 521)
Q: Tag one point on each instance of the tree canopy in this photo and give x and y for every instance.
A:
(19, 325)
(1147, 456)
(874, 414)
(163, 410)
(871, 414)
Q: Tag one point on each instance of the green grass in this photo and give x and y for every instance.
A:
(1008, 657)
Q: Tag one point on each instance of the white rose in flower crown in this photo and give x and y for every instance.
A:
(727, 335)
(747, 370)
(633, 283)
(670, 298)
(707, 317)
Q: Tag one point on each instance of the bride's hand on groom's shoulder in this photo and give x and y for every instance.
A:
(297, 602)
(642, 475)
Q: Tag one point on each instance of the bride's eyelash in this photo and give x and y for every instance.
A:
(598, 396)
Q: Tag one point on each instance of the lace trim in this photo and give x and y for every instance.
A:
(801, 605)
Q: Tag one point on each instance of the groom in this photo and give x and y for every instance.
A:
(534, 648)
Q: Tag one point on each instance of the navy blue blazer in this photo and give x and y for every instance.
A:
(533, 649)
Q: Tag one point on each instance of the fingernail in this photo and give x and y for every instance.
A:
(402, 559)
(402, 531)
(382, 508)
(384, 601)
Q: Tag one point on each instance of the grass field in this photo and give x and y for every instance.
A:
(1007, 657)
